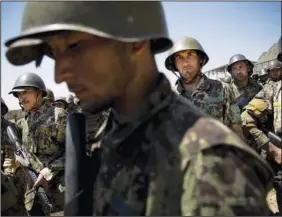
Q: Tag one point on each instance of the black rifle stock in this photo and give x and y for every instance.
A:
(274, 139)
(44, 201)
(78, 171)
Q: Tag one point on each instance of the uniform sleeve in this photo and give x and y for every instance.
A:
(58, 163)
(222, 181)
(256, 111)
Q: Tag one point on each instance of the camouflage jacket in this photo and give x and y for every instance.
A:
(214, 98)
(43, 136)
(7, 148)
(9, 198)
(248, 92)
(169, 158)
(266, 104)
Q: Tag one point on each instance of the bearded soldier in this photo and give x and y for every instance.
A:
(43, 138)
(10, 169)
(244, 88)
(261, 115)
(160, 154)
(187, 56)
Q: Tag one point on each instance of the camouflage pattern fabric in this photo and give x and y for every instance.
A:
(266, 104)
(250, 90)
(10, 168)
(169, 158)
(44, 141)
(9, 198)
(214, 98)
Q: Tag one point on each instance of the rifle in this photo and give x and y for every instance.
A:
(274, 139)
(44, 201)
(78, 178)
(242, 101)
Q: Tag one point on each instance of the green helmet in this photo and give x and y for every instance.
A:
(49, 95)
(29, 80)
(239, 57)
(4, 107)
(274, 64)
(119, 20)
(186, 43)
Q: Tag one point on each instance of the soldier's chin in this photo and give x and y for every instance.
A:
(94, 107)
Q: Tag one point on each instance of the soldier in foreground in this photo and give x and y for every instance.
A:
(49, 98)
(244, 88)
(187, 57)
(261, 115)
(160, 154)
(9, 168)
(43, 138)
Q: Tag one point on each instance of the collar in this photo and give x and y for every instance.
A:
(157, 98)
(203, 84)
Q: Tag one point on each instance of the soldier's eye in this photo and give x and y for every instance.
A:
(74, 45)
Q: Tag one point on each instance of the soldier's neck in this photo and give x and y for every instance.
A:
(193, 84)
(243, 83)
(137, 90)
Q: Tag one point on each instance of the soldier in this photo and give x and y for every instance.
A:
(187, 56)
(263, 77)
(43, 138)
(261, 115)
(49, 98)
(244, 88)
(9, 167)
(161, 155)
(61, 102)
(274, 69)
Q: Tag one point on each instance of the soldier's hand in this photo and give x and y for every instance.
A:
(41, 181)
(275, 152)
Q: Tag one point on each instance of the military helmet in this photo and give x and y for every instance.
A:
(239, 57)
(29, 80)
(4, 107)
(123, 21)
(49, 95)
(62, 99)
(186, 43)
(263, 72)
(274, 64)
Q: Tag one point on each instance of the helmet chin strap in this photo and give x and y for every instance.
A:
(185, 81)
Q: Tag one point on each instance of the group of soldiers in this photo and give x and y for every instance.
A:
(199, 148)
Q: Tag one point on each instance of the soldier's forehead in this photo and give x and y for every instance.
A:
(183, 52)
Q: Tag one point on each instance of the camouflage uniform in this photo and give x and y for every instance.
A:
(167, 158)
(249, 91)
(265, 108)
(44, 140)
(214, 98)
(9, 198)
(9, 166)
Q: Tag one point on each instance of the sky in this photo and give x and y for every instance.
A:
(222, 28)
